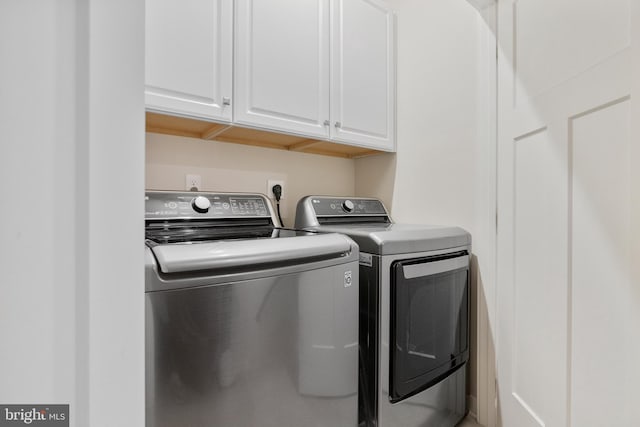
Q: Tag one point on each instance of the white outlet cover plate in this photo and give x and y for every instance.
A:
(191, 181)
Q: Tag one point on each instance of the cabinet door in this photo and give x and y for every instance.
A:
(363, 74)
(189, 57)
(282, 65)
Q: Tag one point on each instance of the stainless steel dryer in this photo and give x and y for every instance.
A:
(414, 311)
(247, 324)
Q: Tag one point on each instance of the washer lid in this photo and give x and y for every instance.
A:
(388, 239)
(254, 254)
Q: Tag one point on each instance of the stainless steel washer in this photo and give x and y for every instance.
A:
(247, 324)
(414, 311)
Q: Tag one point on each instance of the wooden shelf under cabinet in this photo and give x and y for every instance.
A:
(181, 126)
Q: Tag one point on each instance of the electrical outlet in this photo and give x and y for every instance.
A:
(193, 182)
(270, 184)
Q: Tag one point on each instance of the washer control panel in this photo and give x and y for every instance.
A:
(170, 205)
(330, 206)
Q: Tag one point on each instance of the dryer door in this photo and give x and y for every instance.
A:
(429, 321)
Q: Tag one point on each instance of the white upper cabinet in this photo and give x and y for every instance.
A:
(363, 73)
(189, 57)
(282, 65)
(321, 68)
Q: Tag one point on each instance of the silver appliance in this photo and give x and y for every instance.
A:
(414, 311)
(247, 324)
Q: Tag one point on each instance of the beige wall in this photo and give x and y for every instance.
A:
(376, 177)
(234, 167)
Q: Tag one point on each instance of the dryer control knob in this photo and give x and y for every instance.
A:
(201, 204)
(348, 206)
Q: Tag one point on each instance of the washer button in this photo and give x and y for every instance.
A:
(201, 204)
(348, 206)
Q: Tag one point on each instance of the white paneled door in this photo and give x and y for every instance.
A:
(568, 339)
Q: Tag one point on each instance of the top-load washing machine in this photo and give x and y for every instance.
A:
(414, 311)
(247, 324)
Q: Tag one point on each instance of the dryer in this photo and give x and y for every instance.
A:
(414, 311)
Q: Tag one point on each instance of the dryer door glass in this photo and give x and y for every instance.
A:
(429, 321)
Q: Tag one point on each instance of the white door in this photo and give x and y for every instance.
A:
(568, 339)
(189, 57)
(282, 65)
(363, 73)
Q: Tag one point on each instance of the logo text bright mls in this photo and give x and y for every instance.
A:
(25, 416)
(38, 415)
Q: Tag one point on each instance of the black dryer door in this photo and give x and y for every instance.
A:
(429, 321)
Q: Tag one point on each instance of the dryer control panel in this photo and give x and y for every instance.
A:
(313, 211)
(324, 206)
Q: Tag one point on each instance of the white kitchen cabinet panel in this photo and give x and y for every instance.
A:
(282, 65)
(189, 57)
(363, 73)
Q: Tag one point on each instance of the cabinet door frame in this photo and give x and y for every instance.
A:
(246, 112)
(342, 129)
(217, 105)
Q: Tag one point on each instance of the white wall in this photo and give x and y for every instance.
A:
(37, 171)
(71, 312)
(235, 167)
(110, 197)
(442, 172)
(437, 80)
(431, 178)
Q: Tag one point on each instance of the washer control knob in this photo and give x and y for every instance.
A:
(201, 204)
(348, 206)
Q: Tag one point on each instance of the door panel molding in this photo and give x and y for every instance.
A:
(539, 274)
(529, 411)
(599, 312)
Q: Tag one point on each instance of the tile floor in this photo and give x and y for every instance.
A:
(469, 422)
